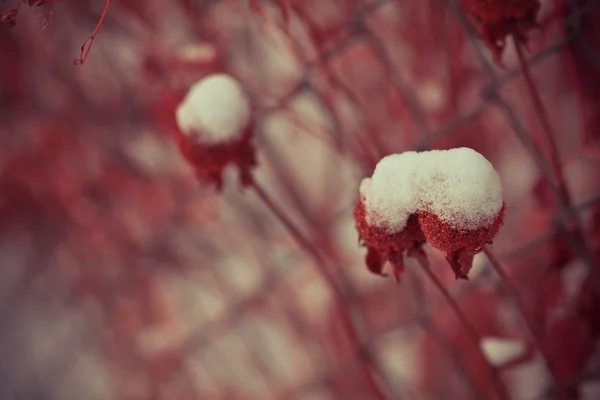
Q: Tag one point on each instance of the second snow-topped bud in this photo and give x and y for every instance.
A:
(214, 128)
(215, 110)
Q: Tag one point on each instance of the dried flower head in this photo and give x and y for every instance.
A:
(383, 246)
(501, 18)
(450, 198)
(214, 128)
(460, 245)
(215, 110)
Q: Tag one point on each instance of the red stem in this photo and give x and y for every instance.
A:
(530, 329)
(329, 278)
(469, 329)
(548, 131)
(87, 45)
(563, 193)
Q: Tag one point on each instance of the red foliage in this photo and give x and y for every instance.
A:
(210, 161)
(569, 344)
(459, 245)
(501, 18)
(9, 18)
(588, 305)
(580, 57)
(85, 222)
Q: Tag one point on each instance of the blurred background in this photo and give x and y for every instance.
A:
(123, 277)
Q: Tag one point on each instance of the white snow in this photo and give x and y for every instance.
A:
(459, 185)
(199, 53)
(499, 351)
(215, 110)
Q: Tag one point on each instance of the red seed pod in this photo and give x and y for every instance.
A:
(501, 18)
(460, 245)
(383, 246)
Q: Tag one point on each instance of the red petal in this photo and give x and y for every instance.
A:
(461, 262)
(374, 261)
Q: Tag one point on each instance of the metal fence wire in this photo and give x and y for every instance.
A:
(124, 277)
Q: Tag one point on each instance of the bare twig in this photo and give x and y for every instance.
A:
(87, 45)
(320, 262)
(526, 322)
(469, 329)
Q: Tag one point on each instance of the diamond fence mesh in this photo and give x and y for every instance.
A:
(123, 277)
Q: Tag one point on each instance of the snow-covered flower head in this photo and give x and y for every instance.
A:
(450, 198)
(215, 110)
(213, 126)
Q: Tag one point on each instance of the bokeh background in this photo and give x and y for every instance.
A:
(123, 277)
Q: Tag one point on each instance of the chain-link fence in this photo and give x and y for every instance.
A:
(123, 277)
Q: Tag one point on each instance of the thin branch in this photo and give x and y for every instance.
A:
(578, 241)
(527, 324)
(548, 131)
(87, 45)
(320, 262)
(469, 329)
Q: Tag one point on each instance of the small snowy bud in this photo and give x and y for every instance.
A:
(213, 127)
(215, 110)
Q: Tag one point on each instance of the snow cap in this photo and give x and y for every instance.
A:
(499, 351)
(215, 109)
(459, 186)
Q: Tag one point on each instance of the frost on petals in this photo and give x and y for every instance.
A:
(449, 198)
(213, 128)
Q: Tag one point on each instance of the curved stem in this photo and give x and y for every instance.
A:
(469, 329)
(527, 324)
(87, 45)
(547, 129)
(353, 335)
(578, 241)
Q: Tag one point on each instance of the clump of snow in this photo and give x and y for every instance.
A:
(201, 52)
(459, 185)
(215, 109)
(499, 351)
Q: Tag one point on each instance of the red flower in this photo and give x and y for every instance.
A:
(208, 153)
(459, 245)
(383, 246)
(449, 198)
(209, 161)
(501, 18)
